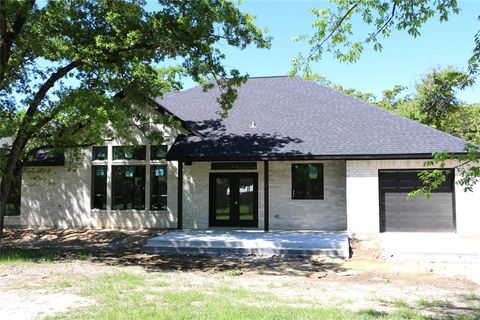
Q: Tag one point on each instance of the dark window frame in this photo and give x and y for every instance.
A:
(15, 198)
(143, 191)
(240, 165)
(153, 151)
(153, 185)
(93, 189)
(139, 153)
(95, 153)
(295, 184)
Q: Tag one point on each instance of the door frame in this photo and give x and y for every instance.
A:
(212, 222)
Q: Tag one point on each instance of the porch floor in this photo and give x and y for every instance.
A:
(239, 242)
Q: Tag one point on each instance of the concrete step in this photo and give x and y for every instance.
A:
(222, 250)
(241, 243)
(248, 243)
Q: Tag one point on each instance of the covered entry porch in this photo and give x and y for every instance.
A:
(240, 242)
(262, 195)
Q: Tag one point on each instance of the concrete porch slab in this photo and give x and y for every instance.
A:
(238, 242)
(431, 246)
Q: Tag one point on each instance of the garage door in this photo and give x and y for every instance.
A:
(434, 214)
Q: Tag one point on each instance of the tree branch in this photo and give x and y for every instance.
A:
(42, 91)
(388, 21)
(337, 25)
(6, 37)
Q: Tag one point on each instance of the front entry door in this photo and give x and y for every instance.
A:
(233, 200)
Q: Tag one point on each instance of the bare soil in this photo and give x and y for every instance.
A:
(363, 282)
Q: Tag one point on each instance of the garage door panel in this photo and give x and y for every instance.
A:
(397, 213)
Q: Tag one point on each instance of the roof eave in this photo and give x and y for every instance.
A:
(412, 156)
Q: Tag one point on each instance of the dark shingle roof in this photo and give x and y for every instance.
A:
(295, 118)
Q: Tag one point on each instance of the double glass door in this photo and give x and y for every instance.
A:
(233, 200)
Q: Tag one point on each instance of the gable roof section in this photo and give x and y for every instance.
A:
(291, 118)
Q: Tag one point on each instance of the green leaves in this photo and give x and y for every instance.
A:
(335, 33)
(110, 54)
(436, 94)
(467, 166)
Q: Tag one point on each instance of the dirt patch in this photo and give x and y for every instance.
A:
(37, 304)
(363, 282)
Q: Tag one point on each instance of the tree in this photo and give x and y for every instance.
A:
(74, 72)
(436, 96)
(334, 33)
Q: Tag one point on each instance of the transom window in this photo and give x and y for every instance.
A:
(158, 152)
(129, 153)
(307, 181)
(99, 153)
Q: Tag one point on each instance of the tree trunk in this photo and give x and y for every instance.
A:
(12, 168)
(5, 189)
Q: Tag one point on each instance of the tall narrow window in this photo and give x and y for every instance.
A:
(99, 187)
(13, 201)
(307, 181)
(128, 187)
(158, 190)
(129, 153)
(158, 152)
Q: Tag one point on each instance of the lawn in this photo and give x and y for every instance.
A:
(100, 285)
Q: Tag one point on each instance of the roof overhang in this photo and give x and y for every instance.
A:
(286, 157)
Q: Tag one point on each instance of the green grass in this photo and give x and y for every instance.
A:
(125, 295)
(10, 256)
(234, 272)
(435, 303)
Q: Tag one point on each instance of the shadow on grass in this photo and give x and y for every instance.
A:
(467, 306)
(124, 248)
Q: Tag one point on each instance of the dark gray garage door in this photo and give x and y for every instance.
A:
(434, 214)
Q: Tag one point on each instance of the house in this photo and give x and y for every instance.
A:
(291, 155)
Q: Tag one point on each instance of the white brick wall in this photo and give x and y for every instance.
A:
(289, 214)
(363, 197)
(196, 194)
(57, 197)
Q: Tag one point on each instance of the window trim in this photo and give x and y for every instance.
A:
(322, 196)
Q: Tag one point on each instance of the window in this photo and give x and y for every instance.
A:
(158, 189)
(234, 165)
(307, 181)
(99, 187)
(158, 152)
(129, 153)
(13, 201)
(128, 187)
(99, 153)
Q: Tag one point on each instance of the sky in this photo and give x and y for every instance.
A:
(403, 60)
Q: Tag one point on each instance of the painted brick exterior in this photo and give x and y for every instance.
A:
(363, 197)
(196, 194)
(58, 197)
(289, 214)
